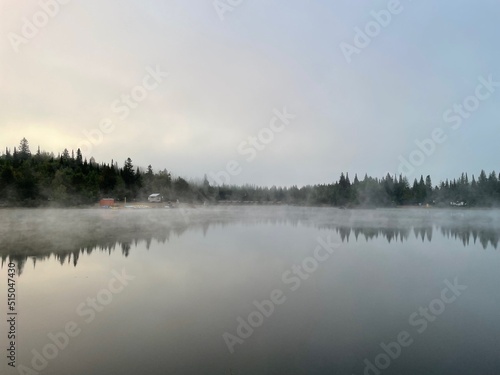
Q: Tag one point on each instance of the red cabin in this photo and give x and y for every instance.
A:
(106, 202)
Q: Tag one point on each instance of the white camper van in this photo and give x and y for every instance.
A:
(154, 198)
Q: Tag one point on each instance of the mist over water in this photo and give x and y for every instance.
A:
(39, 233)
(195, 271)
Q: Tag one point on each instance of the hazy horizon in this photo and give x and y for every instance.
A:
(215, 182)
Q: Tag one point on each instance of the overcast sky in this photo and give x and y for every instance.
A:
(355, 85)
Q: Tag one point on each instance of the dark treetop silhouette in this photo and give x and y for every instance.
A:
(68, 179)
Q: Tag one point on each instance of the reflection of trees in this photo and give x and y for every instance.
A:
(70, 253)
(467, 235)
(67, 237)
(486, 235)
(390, 234)
(67, 234)
(423, 233)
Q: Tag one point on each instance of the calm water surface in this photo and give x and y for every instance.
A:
(333, 286)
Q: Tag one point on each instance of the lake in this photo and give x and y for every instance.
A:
(251, 290)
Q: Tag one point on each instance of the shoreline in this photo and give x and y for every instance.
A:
(165, 205)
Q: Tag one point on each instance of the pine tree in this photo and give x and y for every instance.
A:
(24, 150)
(428, 188)
(65, 155)
(128, 174)
(78, 157)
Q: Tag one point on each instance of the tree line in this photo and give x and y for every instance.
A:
(68, 179)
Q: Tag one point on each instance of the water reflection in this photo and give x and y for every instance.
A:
(37, 235)
(487, 237)
(197, 271)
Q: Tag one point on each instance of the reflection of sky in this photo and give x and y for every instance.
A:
(191, 289)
